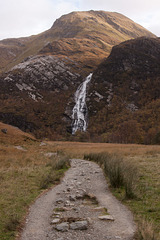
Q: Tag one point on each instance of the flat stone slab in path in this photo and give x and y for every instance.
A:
(81, 207)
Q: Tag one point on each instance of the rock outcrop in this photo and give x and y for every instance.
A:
(34, 94)
(122, 90)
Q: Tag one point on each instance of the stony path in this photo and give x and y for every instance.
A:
(80, 208)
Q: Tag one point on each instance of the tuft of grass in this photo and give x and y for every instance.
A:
(61, 162)
(12, 223)
(120, 173)
(57, 166)
(146, 231)
(130, 179)
(113, 168)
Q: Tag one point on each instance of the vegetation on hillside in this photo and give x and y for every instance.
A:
(38, 95)
(128, 84)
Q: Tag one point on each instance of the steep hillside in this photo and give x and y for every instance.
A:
(37, 93)
(10, 49)
(13, 135)
(124, 95)
(85, 37)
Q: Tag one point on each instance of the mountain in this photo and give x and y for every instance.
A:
(124, 94)
(40, 74)
(84, 37)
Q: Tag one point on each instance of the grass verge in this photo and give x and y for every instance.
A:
(121, 174)
(24, 174)
(136, 182)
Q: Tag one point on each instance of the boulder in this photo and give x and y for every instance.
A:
(4, 130)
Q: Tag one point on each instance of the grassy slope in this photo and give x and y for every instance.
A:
(14, 135)
(23, 176)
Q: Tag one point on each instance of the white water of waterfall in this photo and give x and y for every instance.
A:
(79, 113)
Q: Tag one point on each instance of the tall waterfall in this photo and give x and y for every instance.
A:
(79, 113)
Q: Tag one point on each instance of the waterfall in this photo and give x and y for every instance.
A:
(79, 113)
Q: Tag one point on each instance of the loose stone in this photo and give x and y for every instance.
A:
(79, 196)
(106, 217)
(99, 208)
(55, 221)
(79, 183)
(72, 198)
(60, 200)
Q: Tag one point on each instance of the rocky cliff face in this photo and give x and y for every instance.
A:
(35, 93)
(122, 90)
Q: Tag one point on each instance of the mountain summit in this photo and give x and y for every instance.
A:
(85, 37)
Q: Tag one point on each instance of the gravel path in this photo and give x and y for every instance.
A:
(72, 210)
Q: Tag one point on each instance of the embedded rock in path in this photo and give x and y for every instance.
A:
(60, 200)
(55, 221)
(62, 227)
(72, 198)
(79, 225)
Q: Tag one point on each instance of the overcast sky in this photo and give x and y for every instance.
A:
(26, 17)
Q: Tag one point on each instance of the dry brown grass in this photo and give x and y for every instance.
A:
(146, 231)
(14, 135)
(23, 175)
(80, 148)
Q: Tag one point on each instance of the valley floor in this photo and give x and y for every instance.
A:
(27, 168)
(72, 209)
